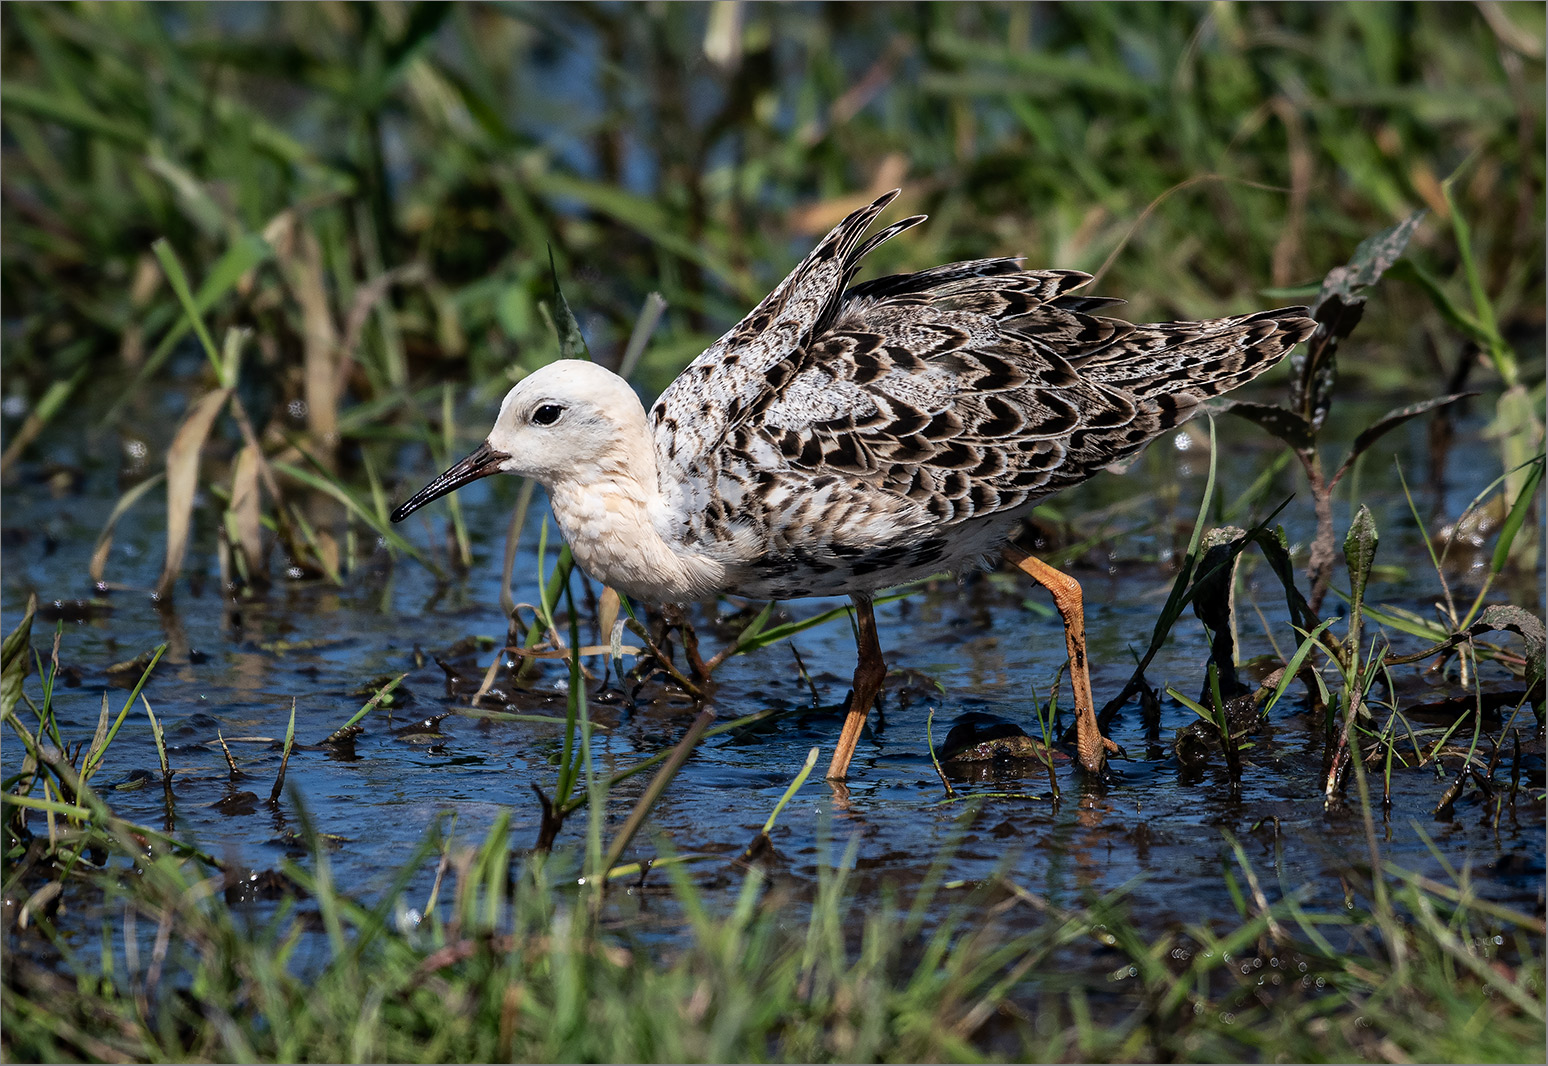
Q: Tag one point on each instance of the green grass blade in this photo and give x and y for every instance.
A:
(179, 282)
(94, 760)
(795, 786)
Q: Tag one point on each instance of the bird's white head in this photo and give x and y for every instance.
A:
(569, 416)
(571, 419)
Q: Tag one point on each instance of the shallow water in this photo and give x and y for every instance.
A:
(954, 647)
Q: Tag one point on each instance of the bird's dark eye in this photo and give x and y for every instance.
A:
(547, 414)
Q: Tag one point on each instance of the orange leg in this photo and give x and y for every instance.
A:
(870, 672)
(1066, 596)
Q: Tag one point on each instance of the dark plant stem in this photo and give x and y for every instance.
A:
(552, 822)
(1319, 567)
(657, 786)
(1233, 757)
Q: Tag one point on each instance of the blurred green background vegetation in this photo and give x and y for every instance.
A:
(372, 189)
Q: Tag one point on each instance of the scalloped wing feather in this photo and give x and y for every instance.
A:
(841, 440)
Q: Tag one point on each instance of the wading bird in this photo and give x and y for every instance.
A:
(843, 439)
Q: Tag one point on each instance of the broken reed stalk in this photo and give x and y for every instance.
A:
(1045, 721)
(657, 786)
(344, 731)
(1222, 720)
(166, 772)
(512, 541)
(677, 618)
(934, 761)
(570, 805)
(664, 660)
(230, 762)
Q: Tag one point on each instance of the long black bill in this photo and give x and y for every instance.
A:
(481, 463)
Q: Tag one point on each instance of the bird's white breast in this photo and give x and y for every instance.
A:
(616, 535)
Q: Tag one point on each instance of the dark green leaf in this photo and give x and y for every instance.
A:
(1360, 554)
(572, 345)
(1184, 588)
(1276, 550)
(1526, 625)
(75, 113)
(16, 658)
(1499, 617)
(1314, 369)
(1386, 424)
(424, 20)
(1217, 566)
(1220, 551)
(1371, 260)
(1284, 424)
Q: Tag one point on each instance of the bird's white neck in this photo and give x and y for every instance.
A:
(617, 523)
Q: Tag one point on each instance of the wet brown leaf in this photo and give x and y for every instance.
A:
(301, 263)
(99, 555)
(183, 482)
(246, 512)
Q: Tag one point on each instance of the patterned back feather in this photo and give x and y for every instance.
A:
(838, 439)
